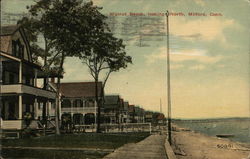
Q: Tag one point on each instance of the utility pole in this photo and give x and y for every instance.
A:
(168, 82)
(160, 106)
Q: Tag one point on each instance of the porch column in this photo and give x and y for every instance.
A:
(35, 80)
(71, 107)
(36, 109)
(20, 105)
(83, 104)
(20, 72)
(48, 109)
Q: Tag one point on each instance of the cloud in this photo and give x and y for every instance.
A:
(100, 2)
(176, 66)
(197, 67)
(206, 28)
(200, 2)
(181, 56)
(137, 2)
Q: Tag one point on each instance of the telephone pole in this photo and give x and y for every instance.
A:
(168, 82)
(160, 106)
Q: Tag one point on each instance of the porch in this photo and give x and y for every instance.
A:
(15, 106)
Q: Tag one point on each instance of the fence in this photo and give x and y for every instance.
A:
(115, 128)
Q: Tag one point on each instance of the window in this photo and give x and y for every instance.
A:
(21, 50)
(66, 103)
(77, 103)
(91, 103)
(17, 48)
(14, 48)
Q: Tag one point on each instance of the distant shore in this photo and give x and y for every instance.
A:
(188, 144)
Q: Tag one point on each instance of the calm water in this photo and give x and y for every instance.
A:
(240, 128)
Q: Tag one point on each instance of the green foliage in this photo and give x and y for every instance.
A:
(35, 28)
(71, 25)
(73, 28)
(86, 140)
(51, 154)
(107, 53)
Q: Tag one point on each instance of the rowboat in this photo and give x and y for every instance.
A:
(225, 135)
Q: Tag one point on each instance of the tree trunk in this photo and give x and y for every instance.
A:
(98, 130)
(57, 107)
(44, 110)
(58, 95)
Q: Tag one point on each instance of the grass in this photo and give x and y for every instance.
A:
(49, 154)
(86, 140)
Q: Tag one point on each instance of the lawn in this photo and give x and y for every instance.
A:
(86, 140)
(48, 154)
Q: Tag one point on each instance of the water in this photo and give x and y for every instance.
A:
(238, 127)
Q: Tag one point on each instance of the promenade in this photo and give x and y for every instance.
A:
(150, 148)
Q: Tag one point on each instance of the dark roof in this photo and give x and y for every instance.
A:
(160, 116)
(8, 30)
(80, 89)
(131, 108)
(112, 99)
(126, 104)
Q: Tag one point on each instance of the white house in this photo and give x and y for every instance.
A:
(19, 91)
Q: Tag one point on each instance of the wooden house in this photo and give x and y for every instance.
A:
(20, 93)
(112, 108)
(78, 101)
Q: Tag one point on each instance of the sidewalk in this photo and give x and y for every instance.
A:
(150, 148)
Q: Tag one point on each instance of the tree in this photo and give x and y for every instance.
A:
(35, 28)
(107, 54)
(68, 25)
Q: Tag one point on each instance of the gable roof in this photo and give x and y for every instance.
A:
(9, 29)
(112, 99)
(79, 89)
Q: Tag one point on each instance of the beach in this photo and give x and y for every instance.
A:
(188, 144)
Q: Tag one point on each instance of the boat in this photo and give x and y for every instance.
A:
(225, 135)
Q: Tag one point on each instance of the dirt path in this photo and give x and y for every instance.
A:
(192, 145)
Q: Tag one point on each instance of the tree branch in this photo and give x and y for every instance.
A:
(105, 80)
(53, 59)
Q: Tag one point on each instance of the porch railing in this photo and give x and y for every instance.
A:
(79, 110)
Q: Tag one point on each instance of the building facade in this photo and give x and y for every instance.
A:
(78, 102)
(112, 109)
(20, 93)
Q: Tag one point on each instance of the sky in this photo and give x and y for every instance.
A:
(209, 55)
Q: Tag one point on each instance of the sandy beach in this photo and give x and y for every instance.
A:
(193, 145)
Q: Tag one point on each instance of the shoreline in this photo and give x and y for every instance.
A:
(178, 128)
(189, 144)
